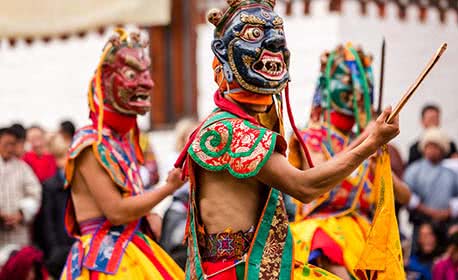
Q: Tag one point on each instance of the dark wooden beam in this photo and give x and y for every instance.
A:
(178, 60)
(159, 74)
(174, 65)
(194, 22)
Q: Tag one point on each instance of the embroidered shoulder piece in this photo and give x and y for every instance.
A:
(235, 145)
(117, 160)
(83, 138)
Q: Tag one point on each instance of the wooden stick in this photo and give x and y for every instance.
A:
(382, 75)
(417, 83)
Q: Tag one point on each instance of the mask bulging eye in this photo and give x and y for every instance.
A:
(252, 33)
(130, 74)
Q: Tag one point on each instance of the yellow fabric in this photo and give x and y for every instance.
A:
(272, 119)
(382, 254)
(349, 232)
(144, 142)
(295, 154)
(310, 272)
(135, 265)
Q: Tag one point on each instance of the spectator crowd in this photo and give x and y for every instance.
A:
(34, 244)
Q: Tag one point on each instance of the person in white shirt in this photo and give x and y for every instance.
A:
(20, 194)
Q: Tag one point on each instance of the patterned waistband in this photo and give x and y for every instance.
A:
(225, 245)
(91, 225)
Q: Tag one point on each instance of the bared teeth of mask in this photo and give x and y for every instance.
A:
(264, 69)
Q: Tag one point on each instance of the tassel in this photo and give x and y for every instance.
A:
(296, 131)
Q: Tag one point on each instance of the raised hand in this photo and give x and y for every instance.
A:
(383, 132)
(174, 179)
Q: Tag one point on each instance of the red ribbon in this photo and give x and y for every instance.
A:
(295, 130)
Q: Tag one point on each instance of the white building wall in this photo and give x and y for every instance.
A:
(46, 83)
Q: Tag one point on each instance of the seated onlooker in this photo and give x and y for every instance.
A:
(447, 267)
(430, 117)
(56, 242)
(42, 163)
(434, 187)
(67, 130)
(26, 264)
(420, 263)
(20, 193)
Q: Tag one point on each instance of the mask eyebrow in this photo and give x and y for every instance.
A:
(251, 19)
(135, 63)
(278, 21)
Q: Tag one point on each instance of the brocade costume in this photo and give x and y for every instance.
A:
(104, 250)
(242, 150)
(230, 140)
(251, 67)
(336, 225)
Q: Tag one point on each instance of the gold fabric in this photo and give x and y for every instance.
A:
(382, 254)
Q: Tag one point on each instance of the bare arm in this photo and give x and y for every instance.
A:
(116, 208)
(437, 215)
(311, 183)
(401, 190)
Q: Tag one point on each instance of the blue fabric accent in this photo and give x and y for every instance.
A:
(76, 258)
(108, 243)
(424, 270)
(314, 256)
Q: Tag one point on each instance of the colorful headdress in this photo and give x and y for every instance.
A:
(101, 112)
(346, 84)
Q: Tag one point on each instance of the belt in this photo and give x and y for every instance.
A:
(225, 245)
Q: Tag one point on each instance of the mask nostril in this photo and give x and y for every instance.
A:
(275, 43)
